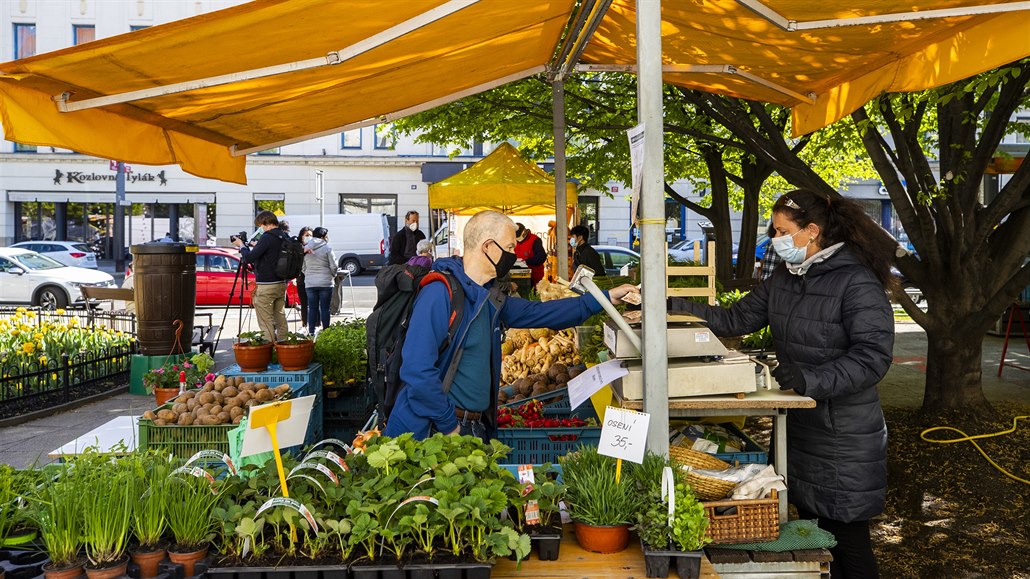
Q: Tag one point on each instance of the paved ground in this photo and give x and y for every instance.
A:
(903, 386)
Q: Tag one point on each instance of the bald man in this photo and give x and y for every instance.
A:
(469, 405)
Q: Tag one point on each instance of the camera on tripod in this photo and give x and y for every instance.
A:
(242, 236)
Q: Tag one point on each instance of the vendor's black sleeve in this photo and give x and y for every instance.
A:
(589, 257)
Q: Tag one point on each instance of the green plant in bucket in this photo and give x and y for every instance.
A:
(189, 505)
(149, 517)
(108, 495)
(59, 517)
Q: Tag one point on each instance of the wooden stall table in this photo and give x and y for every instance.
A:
(116, 436)
(773, 403)
(575, 563)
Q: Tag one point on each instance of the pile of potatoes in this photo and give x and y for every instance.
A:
(556, 377)
(222, 401)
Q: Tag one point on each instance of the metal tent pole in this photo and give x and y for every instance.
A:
(652, 224)
(561, 215)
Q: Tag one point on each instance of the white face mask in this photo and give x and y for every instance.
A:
(306, 239)
(785, 248)
(572, 242)
(413, 226)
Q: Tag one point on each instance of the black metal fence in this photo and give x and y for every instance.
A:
(70, 374)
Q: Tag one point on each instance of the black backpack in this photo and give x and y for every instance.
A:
(291, 258)
(387, 327)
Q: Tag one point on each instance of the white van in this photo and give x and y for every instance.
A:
(360, 241)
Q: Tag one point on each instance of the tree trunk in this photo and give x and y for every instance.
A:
(954, 366)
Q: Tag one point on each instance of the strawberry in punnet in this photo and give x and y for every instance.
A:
(531, 415)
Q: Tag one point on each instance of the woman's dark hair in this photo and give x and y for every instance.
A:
(303, 230)
(320, 233)
(843, 220)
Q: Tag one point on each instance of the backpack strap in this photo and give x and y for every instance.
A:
(457, 298)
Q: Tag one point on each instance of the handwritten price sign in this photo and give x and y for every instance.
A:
(624, 434)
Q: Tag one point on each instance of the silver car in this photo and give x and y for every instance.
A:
(27, 277)
(71, 253)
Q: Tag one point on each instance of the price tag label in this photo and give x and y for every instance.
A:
(290, 504)
(328, 455)
(214, 455)
(624, 434)
(582, 387)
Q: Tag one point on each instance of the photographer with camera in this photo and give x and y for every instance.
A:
(269, 296)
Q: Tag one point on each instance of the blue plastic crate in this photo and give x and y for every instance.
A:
(560, 408)
(753, 453)
(540, 445)
(350, 405)
(303, 383)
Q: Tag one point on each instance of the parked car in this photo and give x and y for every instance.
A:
(71, 253)
(616, 258)
(684, 250)
(27, 277)
(216, 272)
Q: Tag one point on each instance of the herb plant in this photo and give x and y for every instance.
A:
(58, 514)
(189, 506)
(594, 497)
(255, 338)
(107, 511)
(340, 350)
(294, 338)
(149, 516)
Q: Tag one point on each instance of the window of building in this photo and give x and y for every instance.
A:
(1023, 126)
(277, 206)
(351, 139)
(135, 27)
(273, 151)
(83, 33)
(24, 40)
(20, 148)
(387, 204)
(384, 140)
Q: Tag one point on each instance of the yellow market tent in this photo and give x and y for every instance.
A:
(205, 91)
(502, 180)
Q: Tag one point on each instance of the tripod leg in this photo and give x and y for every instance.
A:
(228, 303)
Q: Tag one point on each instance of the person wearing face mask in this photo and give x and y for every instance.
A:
(832, 325)
(530, 250)
(423, 405)
(404, 244)
(305, 237)
(583, 253)
(320, 269)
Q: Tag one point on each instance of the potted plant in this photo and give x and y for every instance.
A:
(58, 515)
(149, 519)
(167, 381)
(544, 529)
(341, 350)
(295, 352)
(678, 535)
(189, 503)
(15, 524)
(253, 352)
(601, 507)
(107, 491)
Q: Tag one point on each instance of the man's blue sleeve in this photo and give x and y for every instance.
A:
(555, 314)
(427, 332)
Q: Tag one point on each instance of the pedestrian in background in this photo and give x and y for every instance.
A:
(305, 237)
(423, 254)
(320, 269)
(269, 296)
(404, 244)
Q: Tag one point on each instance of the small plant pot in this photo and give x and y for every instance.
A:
(364, 572)
(148, 562)
(187, 560)
(478, 572)
(109, 572)
(604, 539)
(688, 564)
(450, 573)
(20, 537)
(295, 357)
(162, 395)
(396, 573)
(62, 572)
(253, 358)
(420, 572)
(547, 546)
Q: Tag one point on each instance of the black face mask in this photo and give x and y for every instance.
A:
(503, 265)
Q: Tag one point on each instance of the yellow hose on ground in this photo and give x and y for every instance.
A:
(972, 440)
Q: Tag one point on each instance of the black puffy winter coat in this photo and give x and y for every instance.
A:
(836, 324)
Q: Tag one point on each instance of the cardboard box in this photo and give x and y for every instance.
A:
(685, 340)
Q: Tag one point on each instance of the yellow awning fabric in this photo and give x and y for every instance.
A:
(394, 58)
(478, 42)
(843, 67)
(503, 181)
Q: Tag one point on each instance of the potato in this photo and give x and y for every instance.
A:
(209, 387)
(166, 415)
(219, 387)
(247, 386)
(239, 380)
(214, 385)
(252, 402)
(264, 395)
(230, 391)
(208, 420)
(182, 399)
(218, 397)
(224, 418)
(282, 389)
(236, 411)
(185, 420)
(243, 397)
(149, 415)
(201, 411)
(179, 408)
(191, 404)
(261, 386)
(160, 422)
(237, 419)
(220, 379)
(215, 409)
(207, 398)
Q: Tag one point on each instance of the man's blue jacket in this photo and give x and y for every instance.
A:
(422, 403)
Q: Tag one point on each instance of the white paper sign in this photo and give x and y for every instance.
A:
(582, 387)
(624, 434)
(289, 432)
(636, 157)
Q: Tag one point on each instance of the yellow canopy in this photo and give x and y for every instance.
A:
(502, 180)
(205, 91)
(826, 68)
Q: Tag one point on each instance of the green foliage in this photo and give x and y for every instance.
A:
(294, 338)
(149, 517)
(108, 495)
(594, 496)
(190, 501)
(341, 350)
(254, 338)
(686, 528)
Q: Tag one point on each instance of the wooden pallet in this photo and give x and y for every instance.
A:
(737, 564)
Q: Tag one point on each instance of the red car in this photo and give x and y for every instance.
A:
(216, 271)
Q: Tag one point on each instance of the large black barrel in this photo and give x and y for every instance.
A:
(165, 286)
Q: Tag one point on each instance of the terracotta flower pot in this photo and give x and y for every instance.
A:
(162, 395)
(607, 539)
(62, 572)
(253, 358)
(187, 560)
(148, 562)
(295, 357)
(111, 571)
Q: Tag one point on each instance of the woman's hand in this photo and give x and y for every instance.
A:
(617, 293)
(790, 377)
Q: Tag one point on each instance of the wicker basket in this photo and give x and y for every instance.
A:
(755, 521)
(697, 459)
(708, 488)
